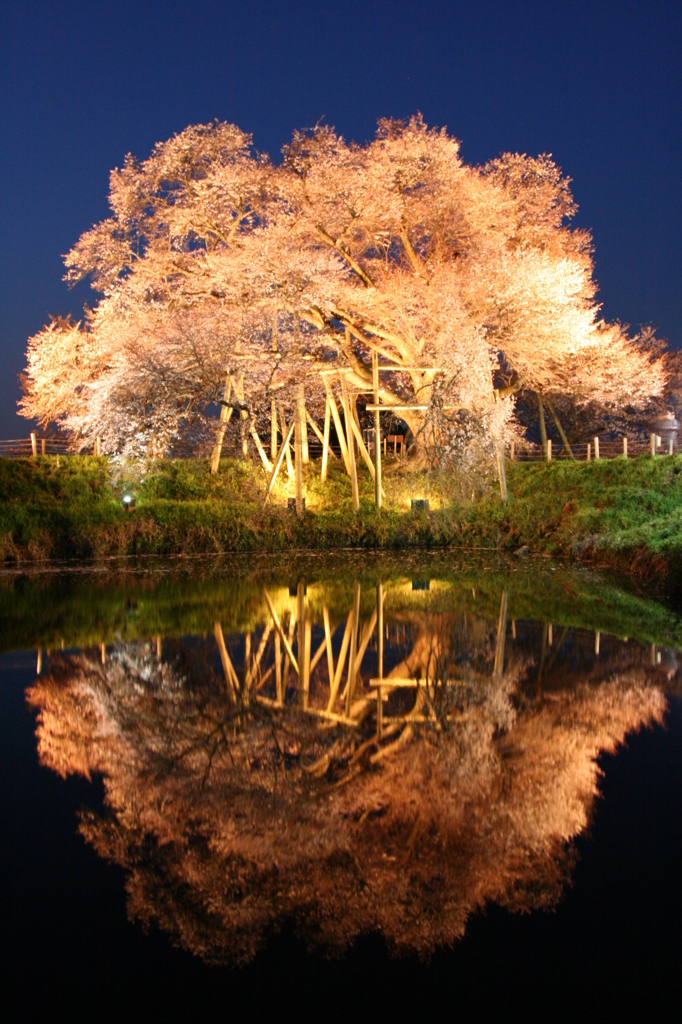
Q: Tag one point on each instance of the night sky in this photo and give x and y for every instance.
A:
(598, 85)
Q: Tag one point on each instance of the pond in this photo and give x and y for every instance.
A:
(324, 783)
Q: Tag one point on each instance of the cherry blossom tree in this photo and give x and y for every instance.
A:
(226, 279)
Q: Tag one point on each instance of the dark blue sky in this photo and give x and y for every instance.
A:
(597, 84)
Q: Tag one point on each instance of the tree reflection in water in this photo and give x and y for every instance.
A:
(249, 779)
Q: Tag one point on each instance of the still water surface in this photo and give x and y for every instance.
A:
(341, 785)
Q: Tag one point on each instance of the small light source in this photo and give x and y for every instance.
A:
(128, 502)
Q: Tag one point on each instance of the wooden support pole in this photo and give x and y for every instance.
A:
(301, 410)
(339, 429)
(512, 451)
(34, 445)
(286, 433)
(259, 448)
(39, 662)
(670, 446)
(596, 447)
(377, 431)
(325, 440)
(248, 676)
(298, 464)
(103, 653)
(317, 432)
(42, 446)
(273, 430)
(351, 449)
(549, 449)
(589, 451)
(363, 450)
(653, 445)
(278, 463)
(158, 645)
(597, 637)
(625, 447)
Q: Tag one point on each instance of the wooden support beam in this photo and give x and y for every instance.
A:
(278, 463)
(351, 449)
(377, 431)
(363, 451)
(286, 432)
(278, 668)
(318, 434)
(325, 440)
(305, 674)
(339, 429)
(273, 430)
(298, 464)
(278, 627)
(259, 448)
(302, 415)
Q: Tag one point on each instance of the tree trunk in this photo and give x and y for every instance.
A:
(557, 424)
(225, 414)
(543, 428)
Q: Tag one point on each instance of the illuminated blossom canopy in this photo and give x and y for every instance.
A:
(218, 265)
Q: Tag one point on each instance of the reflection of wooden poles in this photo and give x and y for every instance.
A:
(278, 463)
(278, 669)
(287, 432)
(328, 645)
(306, 667)
(366, 637)
(350, 685)
(501, 634)
(278, 627)
(301, 637)
(351, 448)
(377, 433)
(248, 679)
(228, 670)
(292, 623)
(339, 429)
(261, 649)
(340, 663)
(225, 415)
(380, 656)
(325, 440)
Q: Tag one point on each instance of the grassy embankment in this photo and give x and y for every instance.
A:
(622, 513)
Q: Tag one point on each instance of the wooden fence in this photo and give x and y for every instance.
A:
(597, 448)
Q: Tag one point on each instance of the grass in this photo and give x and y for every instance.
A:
(624, 513)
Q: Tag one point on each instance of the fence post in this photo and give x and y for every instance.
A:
(34, 445)
(625, 447)
(596, 447)
(670, 447)
(42, 446)
(549, 449)
(653, 445)
(512, 451)
(589, 451)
